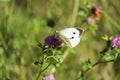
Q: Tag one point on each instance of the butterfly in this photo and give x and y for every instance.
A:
(71, 36)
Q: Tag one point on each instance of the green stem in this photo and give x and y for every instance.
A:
(65, 55)
(40, 71)
(38, 74)
(46, 67)
(97, 63)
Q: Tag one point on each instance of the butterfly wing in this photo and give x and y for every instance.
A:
(65, 40)
(71, 36)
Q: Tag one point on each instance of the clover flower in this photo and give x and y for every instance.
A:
(116, 42)
(95, 14)
(89, 20)
(53, 41)
(49, 77)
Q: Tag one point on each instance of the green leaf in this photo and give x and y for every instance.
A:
(117, 55)
(117, 50)
(57, 59)
(105, 37)
(93, 28)
(111, 37)
(58, 48)
(40, 45)
(48, 51)
(108, 57)
(82, 12)
(87, 3)
(80, 76)
(87, 65)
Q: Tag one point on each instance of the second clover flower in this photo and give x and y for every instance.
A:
(116, 42)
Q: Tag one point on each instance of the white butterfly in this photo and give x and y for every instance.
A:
(71, 36)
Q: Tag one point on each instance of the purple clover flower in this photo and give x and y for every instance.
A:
(53, 41)
(116, 42)
(49, 77)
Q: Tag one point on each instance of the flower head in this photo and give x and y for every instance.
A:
(95, 14)
(116, 42)
(89, 20)
(49, 77)
(53, 41)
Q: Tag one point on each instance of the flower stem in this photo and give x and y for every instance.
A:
(40, 71)
(97, 63)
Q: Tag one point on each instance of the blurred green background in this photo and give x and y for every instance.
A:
(24, 23)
